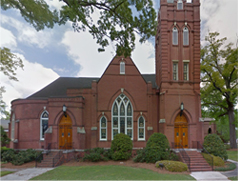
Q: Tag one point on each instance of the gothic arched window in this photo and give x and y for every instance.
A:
(43, 124)
(185, 36)
(122, 68)
(180, 4)
(141, 128)
(175, 36)
(103, 128)
(122, 116)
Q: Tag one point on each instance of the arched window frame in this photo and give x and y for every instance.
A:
(185, 36)
(141, 127)
(122, 67)
(122, 101)
(103, 127)
(43, 119)
(13, 127)
(175, 36)
(180, 5)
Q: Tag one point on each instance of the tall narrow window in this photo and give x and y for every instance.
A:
(185, 71)
(122, 116)
(122, 67)
(141, 128)
(43, 124)
(185, 36)
(175, 71)
(13, 128)
(180, 4)
(175, 36)
(103, 128)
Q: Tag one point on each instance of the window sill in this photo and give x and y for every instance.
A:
(141, 140)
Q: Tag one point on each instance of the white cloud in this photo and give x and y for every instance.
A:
(27, 34)
(33, 78)
(220, 16)
(7, 39)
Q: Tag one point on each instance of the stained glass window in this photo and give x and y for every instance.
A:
(122, 116)
(44, 124)
(141, 128)
(103, 128)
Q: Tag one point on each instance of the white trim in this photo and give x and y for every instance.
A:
(142, 127)
(124, 116)
(41, 119)
(100, 132)
(175, 61)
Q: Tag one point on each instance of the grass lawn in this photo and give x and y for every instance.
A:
(109, 172)
(233, 178)
(232, 155)
(5, 173)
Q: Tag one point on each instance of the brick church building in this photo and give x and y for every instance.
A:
(80, 113)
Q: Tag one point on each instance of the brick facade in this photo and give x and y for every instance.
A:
(157, 98)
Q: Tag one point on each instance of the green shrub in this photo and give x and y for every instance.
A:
(217, 161)
(227, 146)
(4, 149)
(8, 155)
(20, 157)
(97, 154)
(214, 145)
(121, 147)
(140, 157)
(157, 148)
(173, 166)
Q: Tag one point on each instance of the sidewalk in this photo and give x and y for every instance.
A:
(25, 174)
(215, 175)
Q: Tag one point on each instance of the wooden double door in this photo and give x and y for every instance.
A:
(181, 132)
(65, 133)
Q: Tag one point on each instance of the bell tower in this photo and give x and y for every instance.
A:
(178, 67)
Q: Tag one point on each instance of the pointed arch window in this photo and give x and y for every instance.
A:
(185, 36)
(43, 124)
(13, 127)
(180, 4)
(122, 116)
(175, 36)
(141, 128)
(103, 128)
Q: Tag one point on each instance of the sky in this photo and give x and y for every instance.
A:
(61, 52)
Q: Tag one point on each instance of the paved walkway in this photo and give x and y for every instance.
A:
(215, 175)
(25, 174)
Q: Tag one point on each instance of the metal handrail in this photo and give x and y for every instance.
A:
(39, 158)
(185, 155)
(203, 149)
(57, 158)
(182, 151)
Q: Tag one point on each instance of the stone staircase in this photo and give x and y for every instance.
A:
(47, 159)
(197, 162)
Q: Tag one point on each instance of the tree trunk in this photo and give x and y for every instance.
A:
(232, 127)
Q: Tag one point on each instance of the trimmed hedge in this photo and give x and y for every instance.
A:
(217, 161)
(121, 147)
(173, 166)
(214, 145)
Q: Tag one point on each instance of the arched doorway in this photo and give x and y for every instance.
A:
(181, 132)
(65, 132)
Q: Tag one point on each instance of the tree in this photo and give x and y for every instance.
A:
(8, 65)
(4, 138)
(116, 20)
(219, 80)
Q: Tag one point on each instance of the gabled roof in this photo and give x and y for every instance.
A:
(59, 87)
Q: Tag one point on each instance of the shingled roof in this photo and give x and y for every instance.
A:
(59, 87)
